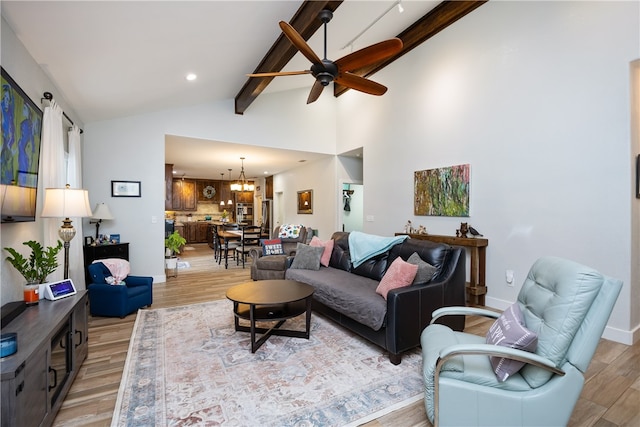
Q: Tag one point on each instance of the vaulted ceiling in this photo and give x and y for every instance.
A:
(112, 59)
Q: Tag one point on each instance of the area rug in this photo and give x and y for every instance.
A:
(188, 366)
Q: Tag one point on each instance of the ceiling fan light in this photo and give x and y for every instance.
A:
(324, 78)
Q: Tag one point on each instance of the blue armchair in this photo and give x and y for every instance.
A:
(567, 305)
(117, 300)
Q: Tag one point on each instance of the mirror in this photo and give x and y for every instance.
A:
(305, 202)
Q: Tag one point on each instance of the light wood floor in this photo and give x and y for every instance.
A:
(611, 396)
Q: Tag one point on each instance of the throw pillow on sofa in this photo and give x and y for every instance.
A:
(328, 249)
(307, 257)
(271, 247)
(510, 331)
(425, 270)
(399, 274)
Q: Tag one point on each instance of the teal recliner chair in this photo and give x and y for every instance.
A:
(567, 305)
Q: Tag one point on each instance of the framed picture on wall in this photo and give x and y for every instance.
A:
(305, 202)
(125, 189)
(638, 177)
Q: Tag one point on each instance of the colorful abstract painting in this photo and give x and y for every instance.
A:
(442, 191)
(21, 125)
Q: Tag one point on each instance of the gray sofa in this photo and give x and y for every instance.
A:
(348, 295)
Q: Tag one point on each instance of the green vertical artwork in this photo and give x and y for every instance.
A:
(442, 191)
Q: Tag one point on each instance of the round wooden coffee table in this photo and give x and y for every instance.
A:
(266, 300)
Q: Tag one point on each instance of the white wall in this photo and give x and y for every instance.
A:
(537, 101)
(319, 176)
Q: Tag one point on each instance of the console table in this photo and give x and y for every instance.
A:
(52, 344)
(476, 287)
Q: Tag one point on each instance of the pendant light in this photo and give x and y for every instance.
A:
(242, 184)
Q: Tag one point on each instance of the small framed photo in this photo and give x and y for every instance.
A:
(125, 189)
(305, 202)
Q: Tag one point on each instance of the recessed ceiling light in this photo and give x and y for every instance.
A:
(266, 172)
(191, 77)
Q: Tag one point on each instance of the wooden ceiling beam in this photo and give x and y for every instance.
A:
(439, 18)
(306, 23)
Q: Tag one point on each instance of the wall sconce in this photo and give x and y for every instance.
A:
(66, 203)
(101, 212)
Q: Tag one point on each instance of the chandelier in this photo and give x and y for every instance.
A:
(242, 184)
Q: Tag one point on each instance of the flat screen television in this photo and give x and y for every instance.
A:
(20, 155)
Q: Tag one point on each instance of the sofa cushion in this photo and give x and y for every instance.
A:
(340, 259)
(436, 254)
(373, 268)
(509, 330)
(272, 262)
(307, 257)
(351, 295)
(399, 275)
(425, 270)
(328, 249)
(271, 247)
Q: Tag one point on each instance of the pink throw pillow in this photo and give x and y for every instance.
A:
(399, 274)
(328, 249)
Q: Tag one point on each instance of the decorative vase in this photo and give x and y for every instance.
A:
(32, 293)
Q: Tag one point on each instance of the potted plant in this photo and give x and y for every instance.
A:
(40, 263)
(173, 243)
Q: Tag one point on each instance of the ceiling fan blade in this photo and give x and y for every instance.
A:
(316, 90)
(280, 73)
(360, 83)
(369, 55)
(296, 39)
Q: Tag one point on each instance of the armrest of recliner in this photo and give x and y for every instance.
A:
(498, 351)
(133, 281)
(463, 311)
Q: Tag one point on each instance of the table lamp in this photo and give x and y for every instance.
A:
(66, 203)
(101, 212)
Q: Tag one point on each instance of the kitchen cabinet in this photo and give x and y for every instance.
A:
(244, 197)
(179, 227)
(52, 344)
(268, 187)
(208, 190)
(196, 232)
(184, 195)
(168, 186)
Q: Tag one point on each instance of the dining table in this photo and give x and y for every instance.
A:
(227, 236)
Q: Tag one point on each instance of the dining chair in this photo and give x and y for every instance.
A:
(250, 239)
(228, 244)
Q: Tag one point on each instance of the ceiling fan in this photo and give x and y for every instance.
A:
(326, 71)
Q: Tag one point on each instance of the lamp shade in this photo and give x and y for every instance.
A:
(17, 201)
(102, 212)
(66, 203)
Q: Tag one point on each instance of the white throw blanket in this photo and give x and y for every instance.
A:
(363, 246)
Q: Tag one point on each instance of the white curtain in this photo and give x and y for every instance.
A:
(74, 179)
(52, 175)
